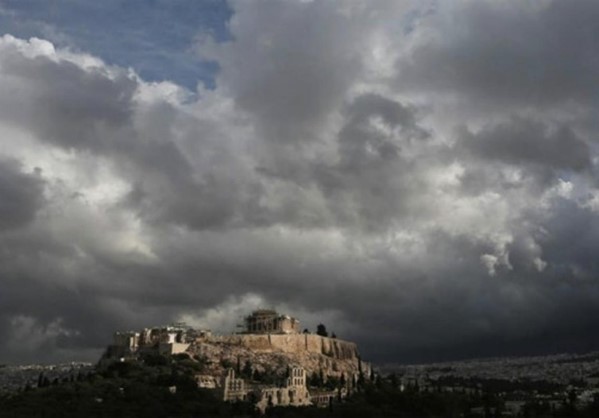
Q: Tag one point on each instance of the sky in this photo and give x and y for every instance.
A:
(420, 176)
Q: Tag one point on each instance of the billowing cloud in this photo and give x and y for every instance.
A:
(413, 174)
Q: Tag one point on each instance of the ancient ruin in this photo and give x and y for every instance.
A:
(294, 392)
(270, 345)
(170, 339)
(268, 321)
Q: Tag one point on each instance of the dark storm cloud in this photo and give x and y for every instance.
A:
(578, 227)
(30, 267)
(87, 292)
(436, 315)
(540, 153)
(20, 195)
(520, 141)
(331, 173)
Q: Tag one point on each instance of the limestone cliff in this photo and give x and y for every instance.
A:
(273, 353)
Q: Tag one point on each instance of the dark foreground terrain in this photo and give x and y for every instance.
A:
(165, 387)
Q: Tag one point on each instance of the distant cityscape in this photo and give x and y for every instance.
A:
(552, 380)
(562, 369)
(13, 378)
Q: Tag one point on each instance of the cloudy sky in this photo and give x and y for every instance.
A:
(421, 176)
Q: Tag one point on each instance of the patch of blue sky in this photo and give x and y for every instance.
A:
(154, 37)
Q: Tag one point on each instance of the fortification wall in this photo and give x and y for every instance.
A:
(255, 342)
(292, 343)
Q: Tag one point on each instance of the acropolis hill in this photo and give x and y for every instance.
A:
(267, 348)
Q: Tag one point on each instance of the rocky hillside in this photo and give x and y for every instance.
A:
(272, 354)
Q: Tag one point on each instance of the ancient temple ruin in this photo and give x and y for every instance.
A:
(269, 342)
(268, 321)
(294, 392)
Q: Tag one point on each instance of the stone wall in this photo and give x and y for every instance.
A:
(172, 348)
(294, 343)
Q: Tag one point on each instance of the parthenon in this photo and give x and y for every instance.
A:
(268, 321)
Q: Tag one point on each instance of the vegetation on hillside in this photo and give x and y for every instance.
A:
(147, 388)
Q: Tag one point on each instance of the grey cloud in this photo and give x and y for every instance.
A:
(459, 312)
(64, 103)
(530, 54)
(21, 195)
(368, 184)
(571, 233)
(392, 112)
(310, 183)
(371, 181)
(63, 297)
(95, 111)
(358, 141)
(289, 64)
(526, 142)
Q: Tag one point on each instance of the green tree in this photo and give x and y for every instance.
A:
(394, 381)
(247, 370)
(322, 330)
